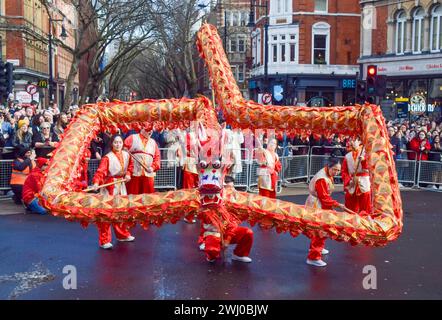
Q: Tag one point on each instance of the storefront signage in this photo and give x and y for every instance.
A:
(409, 67)
(418, 106)
(348, 84)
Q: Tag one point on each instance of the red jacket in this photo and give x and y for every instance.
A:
(33, 185)
(415, 145)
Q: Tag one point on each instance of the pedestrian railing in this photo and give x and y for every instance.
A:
(430, 172)
(299, 164)
(319, 160)
(5, 174)
(407, 169)
(295, 164)
(253, 175)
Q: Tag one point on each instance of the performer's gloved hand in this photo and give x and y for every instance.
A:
(149, 170)
(127, 178)
(94, 187)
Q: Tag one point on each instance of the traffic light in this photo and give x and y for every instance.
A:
(361, 91)
(372, 72)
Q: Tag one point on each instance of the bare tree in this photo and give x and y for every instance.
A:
(167, 68)
(101, 25)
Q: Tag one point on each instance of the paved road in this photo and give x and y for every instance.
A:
(166, 264)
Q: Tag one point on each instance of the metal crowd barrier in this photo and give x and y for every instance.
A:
(253, 175)
(407, 169)
(242, 178)
(301, 163)
(295, 165)
(5, 174)
(430, 172)
(318, 161)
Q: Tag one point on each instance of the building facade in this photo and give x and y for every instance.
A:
(404, 41)
(24, 31)
(231, 18)
(312, 52)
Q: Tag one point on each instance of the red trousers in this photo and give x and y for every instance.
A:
(190, 180)
(140, 185)
(267, 193)
(242, 237)
(316, 246)
(105, 233)
(358, 203)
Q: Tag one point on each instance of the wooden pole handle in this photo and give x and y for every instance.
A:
(104, 185)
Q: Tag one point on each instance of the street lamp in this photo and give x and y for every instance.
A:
(252, 26)
(63, 35)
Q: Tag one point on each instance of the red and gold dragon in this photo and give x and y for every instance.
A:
(59, 193)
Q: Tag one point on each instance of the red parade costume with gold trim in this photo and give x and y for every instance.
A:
(147, 155)
(358, 196)
(113, 166)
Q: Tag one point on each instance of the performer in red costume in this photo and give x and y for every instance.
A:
(219, 227)
(190, 177)
(190, 173)
(146, 161)
(270, 165)
(356, 186)
(33, 185)
(114, 166)
(320, 189)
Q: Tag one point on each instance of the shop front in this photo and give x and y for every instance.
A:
(327, 91)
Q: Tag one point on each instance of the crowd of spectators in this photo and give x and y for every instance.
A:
(28, 132)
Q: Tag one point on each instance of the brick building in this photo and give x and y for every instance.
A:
(24, 29)
(404, 40)
(313, 47)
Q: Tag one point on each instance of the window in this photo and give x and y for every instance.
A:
(244, 18)
(234, 70)
(320, 49)
(283, 47)
(321, 6)
(283, 52)
(436, 29)
(228, 18)
(254, 53)
(275, 52)
(235, 18)
(241, 44)
(233, 47)
(418, 30)
(400, 32)
(240, 73)
(292, 52)
(320, 41)
(258, 49)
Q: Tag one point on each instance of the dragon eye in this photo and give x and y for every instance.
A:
(216, 164)
(203, 164)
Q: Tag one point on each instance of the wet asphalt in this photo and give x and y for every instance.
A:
(165, 263)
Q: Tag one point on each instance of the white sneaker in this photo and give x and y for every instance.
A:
(242, 259)
(434, 187)
(401, 185)
(325, 251)
(202, 246)
(107, 246)
(317, 263)
(128, 239)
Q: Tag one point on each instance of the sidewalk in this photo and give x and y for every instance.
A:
(7, 206)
